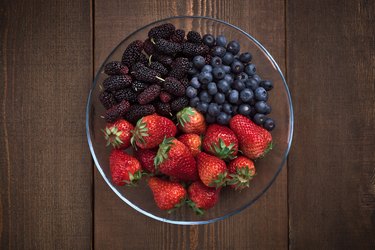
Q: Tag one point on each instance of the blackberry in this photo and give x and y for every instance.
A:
(192, 49)
(164, 59)
(126, 94)
(162, 31)
(194, 37)
(143, 59)
(180, 67)
(107, 99)
(114, 113)
(132, 53)
(149, 94)
(179, 103)
(208, 59)
(173, 86)
(145, 74)
(159, 67)
(178, 36)
(167, 47)
(185, 82)
(163, 109)
(137, 111)
(117, 82)
(138, 86)
(115, 68)
(148, 47)
(165, 97)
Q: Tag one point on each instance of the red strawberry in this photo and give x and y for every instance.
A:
(151, 130)
(193, 142)
(174, 159)
(221, 142)
(212, 170)
(241, 170)
(202, 197)
(146, 158)
(125, 169)
(167, 195)
(191, 121)
(118, 134)
(254, 141)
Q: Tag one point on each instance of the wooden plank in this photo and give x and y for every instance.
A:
(331, 62)
(45, 173)
(264, 225)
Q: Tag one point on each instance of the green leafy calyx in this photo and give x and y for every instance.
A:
(184, 115)
(139, 132)
(164, 148)
(112, 136)
(223, 151)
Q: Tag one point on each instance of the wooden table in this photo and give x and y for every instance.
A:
(52, 197)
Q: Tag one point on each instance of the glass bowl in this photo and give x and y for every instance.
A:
(268, 168)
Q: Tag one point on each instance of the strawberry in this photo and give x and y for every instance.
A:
(125, 169)
(221, 142)
(174, 159)
(118, 134)
(167, 195)
(254, 141)
(202, 197)
(151, 130)
(191, 121)
(193, 142)
(241, 170)
(212, 170)
(146, 158)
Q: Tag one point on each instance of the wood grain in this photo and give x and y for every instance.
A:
(331, 71)
(264, 225)
(45, 173)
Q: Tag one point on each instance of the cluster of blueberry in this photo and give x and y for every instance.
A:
(228, 85)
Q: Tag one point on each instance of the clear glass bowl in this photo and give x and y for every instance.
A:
(268, 168)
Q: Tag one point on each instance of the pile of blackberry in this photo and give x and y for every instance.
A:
(227, 85)
(152, 76)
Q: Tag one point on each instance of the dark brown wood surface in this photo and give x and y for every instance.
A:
(53, 198)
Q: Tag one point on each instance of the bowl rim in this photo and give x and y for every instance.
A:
(285, 155)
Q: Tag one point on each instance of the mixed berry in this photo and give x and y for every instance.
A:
(211, 90)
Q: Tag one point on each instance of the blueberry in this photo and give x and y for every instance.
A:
(268, 110)
(245, 57)
(257, 78)
(223, 86)
(207, 68)
(218, 51)
(252, 84)
(202, 107)
(221, 40)
(228, 58)
(233, 96)
(215, 61)
(228, 108)
(246, 95)
(259, 119)
(213, 109)
(223, 118)
(261, 94)
(233, 47)
(269, 124)
(250, 69)
(194, 102)
(237, 67)
(218, 73)
(252, 111)
(226, 68)
(212, 88)
(199, 62)
(267, 85)
(209, 40)
(193, 71)
(261, 107)
(219, 98)
(229, 78)
(244, 109)
(242, 76)
(210, 118)
(204, 96)
(204, 86)
(194, 82)
(238, 85)
(191, 92)
(205, 77)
